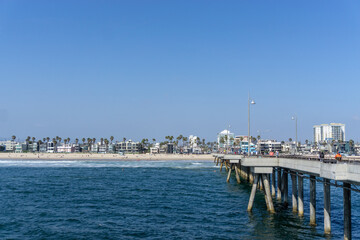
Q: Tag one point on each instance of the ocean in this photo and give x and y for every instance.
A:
(148, 200)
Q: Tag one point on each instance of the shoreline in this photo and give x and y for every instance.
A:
(103, 156)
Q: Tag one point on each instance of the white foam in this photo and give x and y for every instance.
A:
(181, 164)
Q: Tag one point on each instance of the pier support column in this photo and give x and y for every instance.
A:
(237, 174)
(347, 210)
(301, 195)
(327, 208)
(221, 165)
(226, 165)
(294, 191)
(268, 193)
(286, 187)
(273, 191)
(253, 191)
(312, 200)
(279, 184)
(229, 174)
(251, 177)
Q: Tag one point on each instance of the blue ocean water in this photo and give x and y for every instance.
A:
(147, 199)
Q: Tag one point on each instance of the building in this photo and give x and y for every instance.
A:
(64, 148)
(225, 139)
(128, 147)
(9, 145)
(266, 146)
(329, 132)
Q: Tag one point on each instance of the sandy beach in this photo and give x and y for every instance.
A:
(98, 156)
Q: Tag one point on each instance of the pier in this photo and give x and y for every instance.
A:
(271, 175)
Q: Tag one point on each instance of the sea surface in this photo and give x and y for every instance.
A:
(148, 200)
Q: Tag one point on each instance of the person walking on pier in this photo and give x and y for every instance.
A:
(321, 156)
(338, 156)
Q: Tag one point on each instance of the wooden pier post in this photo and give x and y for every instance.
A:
(301, 194)
(229, 174)
(253, 191)
(347, 210)
(327, 207)
(294, 191)
(221, 165)
(268, 193)
(312, 200)
(279, 184)
(273, 190)
(237, 174)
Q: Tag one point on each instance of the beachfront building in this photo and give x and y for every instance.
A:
(155, 149)
(225, 139)
(128, 147)
(64, 148)
(51, 147)
(266, 146)
(329, 132)
(9, 145)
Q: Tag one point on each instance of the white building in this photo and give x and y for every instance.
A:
(193, 141)
(225, 138)
(329, 132)
(9, 145)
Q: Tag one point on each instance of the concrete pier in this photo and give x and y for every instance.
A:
(261, 171)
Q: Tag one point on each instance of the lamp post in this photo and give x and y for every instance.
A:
(296, 139)
(250, 101)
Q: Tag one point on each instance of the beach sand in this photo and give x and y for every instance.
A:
(101, 156)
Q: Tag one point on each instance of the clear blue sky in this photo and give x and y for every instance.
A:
(147, 69)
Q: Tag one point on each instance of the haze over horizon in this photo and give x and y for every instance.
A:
(148, 69)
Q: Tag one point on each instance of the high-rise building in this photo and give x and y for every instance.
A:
(329, 132)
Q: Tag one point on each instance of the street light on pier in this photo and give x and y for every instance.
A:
(250, 102)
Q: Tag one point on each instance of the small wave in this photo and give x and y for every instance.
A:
(181, 164)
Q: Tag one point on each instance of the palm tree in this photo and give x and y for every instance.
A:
(258, 137)
(111, 138)
(76, 141)
(13, 137)
(94, 140)
(68, 140)
(124, 139)
(83, 140)
(185, 139)
(33, 139)
(102, 141)
(47, 139)
(306, 142)
(290, 139)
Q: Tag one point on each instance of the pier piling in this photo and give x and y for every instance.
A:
(253, 191)
(327, 207)
(301, 195)
(279, 184)
(273, 190)
(294, 191)
(268, 194)
(347, 210)
(237, 174)
(312, 200)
